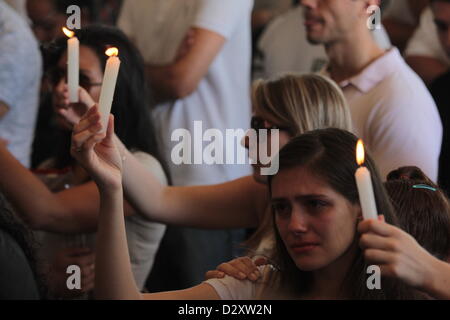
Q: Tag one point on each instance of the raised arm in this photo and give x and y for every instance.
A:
(69, 211)
(112, 257)
(236, 204)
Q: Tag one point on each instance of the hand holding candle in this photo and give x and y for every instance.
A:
(364, 184)
(109, 85)
(73, 64)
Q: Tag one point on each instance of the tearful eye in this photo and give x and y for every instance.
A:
(281, 209)
(316, 204)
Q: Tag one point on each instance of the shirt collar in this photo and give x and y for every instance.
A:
(373, 74)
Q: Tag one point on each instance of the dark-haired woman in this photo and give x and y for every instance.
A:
(423, 212)
(317, 244)
(68, 202)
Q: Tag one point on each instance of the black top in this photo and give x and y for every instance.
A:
(17, 280)
(440, 89)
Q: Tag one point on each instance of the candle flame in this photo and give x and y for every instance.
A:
(360, 154)
(68, 32)
(112, 52)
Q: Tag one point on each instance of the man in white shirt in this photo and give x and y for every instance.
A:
(283, 47)
(20, 79)
(198, 62)
(391, 108)
(425, 53)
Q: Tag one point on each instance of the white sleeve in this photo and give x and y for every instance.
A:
(221, 16)
(406, 131)
(11, 70)
(425, 41)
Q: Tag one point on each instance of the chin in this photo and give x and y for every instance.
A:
(315, 39)
(308, 263)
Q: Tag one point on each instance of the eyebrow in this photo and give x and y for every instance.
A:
(302, 197)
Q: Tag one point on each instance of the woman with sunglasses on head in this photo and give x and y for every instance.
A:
(294, 104)
(316, 213)
(60, 198)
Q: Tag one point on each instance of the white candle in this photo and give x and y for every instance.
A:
(73, 65)
(109, 85)
(365, 187)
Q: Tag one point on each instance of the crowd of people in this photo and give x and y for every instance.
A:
(312, 75)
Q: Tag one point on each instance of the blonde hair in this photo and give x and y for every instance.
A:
(302, 103)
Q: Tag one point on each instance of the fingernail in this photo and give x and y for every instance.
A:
(242, 275)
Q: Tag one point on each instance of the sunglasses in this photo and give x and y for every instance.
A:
(258, 123)
(56, 74)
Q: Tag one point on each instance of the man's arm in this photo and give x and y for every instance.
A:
(180, 79)
(4, 108)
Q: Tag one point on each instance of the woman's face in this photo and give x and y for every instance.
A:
(91, 76)
(284, 137)
(316, 224)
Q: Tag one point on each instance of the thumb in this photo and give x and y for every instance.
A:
(260, 261)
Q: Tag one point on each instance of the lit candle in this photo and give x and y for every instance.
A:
(364, 184)
(73, 65)
(109, 84)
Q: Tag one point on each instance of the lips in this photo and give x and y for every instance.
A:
(311, 20)
(303, 247)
